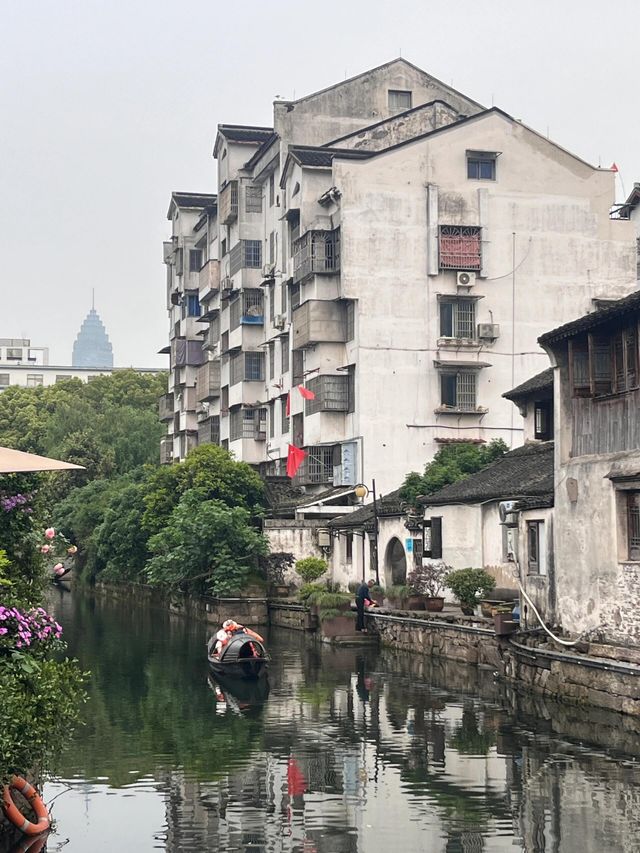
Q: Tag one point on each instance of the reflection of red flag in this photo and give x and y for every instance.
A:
(288, 409)
(308, 395)
(294, 460)
(614, 168)
(296, 783)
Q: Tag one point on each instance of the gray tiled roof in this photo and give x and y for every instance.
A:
(199, 200)
(526, 472)
(540, 382)
(609, 313)
(323, 157)
(388, 505)
(245, 133)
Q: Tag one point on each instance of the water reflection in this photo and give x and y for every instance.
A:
(343, 751)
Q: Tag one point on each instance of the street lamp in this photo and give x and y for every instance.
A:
(361, 491)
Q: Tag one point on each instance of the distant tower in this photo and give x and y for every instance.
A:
(92, 347)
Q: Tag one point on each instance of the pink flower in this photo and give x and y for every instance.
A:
(50, 532)
(72, 549)
(45, 549)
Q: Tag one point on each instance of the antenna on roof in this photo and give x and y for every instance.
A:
(93, 298)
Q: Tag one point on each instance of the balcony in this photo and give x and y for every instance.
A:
(247, 309)
(248, 423)
(460, 248)
(316, 468)
(228, 203)
(209, 430)
(319, 321)
(208, 381)
(211, 337)
(332, 394)
(165, 407)
(316, 253)
(209, 279)
(185, 353)
(166, 450)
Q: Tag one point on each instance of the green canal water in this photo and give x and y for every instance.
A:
(342, 751)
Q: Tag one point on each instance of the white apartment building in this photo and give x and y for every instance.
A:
(397, 249)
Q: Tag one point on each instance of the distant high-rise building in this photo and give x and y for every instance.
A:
(92, 347)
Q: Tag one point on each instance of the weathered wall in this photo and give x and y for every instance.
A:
(399, 128)
(294, 536)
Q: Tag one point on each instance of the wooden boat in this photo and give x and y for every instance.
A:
(242, 657)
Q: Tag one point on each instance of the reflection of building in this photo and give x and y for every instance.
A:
(92, 347)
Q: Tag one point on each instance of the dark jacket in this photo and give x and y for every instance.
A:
(363, 593)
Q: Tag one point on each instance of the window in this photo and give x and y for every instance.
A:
(351, 388)
(604, 364)
(283, 298)
(35, 379)
(432, 538)
(179, 261)
(272, 189)
(295, 296)
(348, 547)
(316, 252)
(284, 417)
(14, 354)
(272, 247)
(272, 360)
(254, 366)
(195, 260)
(460, 247)
(224, 398)
(272, 418)
(247, 309)
(245, 253)
(272, 301)
(253, 199)
(458, 391)
(5, 380)
(481, 166)
(458, 319)
(298, 367)
(399, 100)
(351, 319)
(223, 247)
(536, 548)
(284, 354)
(60, 377)
(543, 420)
(633, 525)
(332, 394)
(224, 342)
(193, 305)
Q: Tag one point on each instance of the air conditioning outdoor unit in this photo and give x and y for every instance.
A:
(323, 538)
(279, 321)
(465, 279)
(489, 331)
(268, 270)
(508, 513)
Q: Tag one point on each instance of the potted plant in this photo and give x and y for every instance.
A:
(397, 596)
(276, 566)
(467, 584)
(427, 582)
(311, 568)
(377, 594)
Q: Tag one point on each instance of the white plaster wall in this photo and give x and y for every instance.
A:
(461, 534)
(293, 537)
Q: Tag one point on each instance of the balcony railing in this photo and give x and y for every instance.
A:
(331, 394)
(460, 248)
(316, 252)
(228, 203)
(208, 382)
(209, 277)
(165, 407)
(317, 467)
(319, 321)
(209, 430)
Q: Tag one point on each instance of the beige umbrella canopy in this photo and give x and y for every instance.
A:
(18, 462)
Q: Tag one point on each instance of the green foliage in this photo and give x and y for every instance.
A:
(429, 579)
(206, 545)
(466, 584)
(311, 568)
(276, 566)
(398, 593)
(451, 463)
(307, 590)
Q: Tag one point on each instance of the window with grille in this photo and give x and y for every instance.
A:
(399, 100)
(533, 547)
(246, 423)
(458, 319)
(272, 419)
(195, 260)
(224, 398)
(284, 417)
(297, 367)
(481, 166)
(633, 525)
(332, 394)
(272, 302)
(316, 252)
(351, 388)
(351, 319)
(284, 354)
(459, 247)
(252, 306)
(604, 364)
(543, 420)
(272, 189)
(235, 310)
(283, 298)
(193, 305)
(5, 380)
(245, 253)
(458, 391)
(272, 247)
(224, 342)
(253, 199)
(295, 296)
(317, 466)
(254, 366)
(35, 379)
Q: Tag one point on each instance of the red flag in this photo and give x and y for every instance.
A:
(288, 410)
(294, 460)
(308, 395)
(614, 167)
(296, 783)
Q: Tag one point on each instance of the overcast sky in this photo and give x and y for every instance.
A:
(107, 106)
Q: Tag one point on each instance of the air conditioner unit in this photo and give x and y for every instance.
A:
(508, 513)
(279, 320)
(490, 331)
(465, 279)
(323, 538)
(268, 270)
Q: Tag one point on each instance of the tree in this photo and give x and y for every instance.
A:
(451, 463)
(205, 546)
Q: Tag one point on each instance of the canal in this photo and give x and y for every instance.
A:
(346, 751)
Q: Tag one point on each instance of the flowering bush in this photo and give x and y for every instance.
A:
(20, 502)
(58, 552)
(22, 629)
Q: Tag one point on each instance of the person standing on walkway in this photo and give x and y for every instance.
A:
(363, 595)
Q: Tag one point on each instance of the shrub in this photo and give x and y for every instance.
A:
(465, 584)
(429, 579)
(276, 566)
(307, 590)
(399, 593)
(311, 568)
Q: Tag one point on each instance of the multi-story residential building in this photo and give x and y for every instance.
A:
(190, 258)
(19, 351)
(397, 249)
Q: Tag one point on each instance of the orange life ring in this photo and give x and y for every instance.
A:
(35, 801)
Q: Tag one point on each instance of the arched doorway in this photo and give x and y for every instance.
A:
(395, 563)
